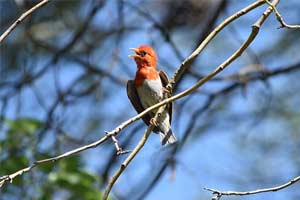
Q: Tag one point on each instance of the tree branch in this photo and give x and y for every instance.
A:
(218, 194)
(133, 154)
(127, 161)
(21, 18)
(279, 17)
(186, 63)
(10, 177)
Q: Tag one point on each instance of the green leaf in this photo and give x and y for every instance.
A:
(79, 183)
(12, 164)
(23, 125)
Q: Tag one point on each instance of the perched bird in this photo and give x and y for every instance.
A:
(148, 89)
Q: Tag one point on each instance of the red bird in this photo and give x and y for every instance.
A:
(147, 89)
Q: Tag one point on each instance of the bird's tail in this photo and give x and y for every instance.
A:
(168, 138)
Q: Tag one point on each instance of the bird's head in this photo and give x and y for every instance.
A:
(144, 56)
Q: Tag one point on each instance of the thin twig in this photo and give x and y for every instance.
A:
(126, 162)
(185, 64)
(218, 194)
(254, 32)
(119, 149)
(10, 177)
(280, 18)
(138, 147)
(21, 18)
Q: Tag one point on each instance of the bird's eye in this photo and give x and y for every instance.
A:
(142, 53)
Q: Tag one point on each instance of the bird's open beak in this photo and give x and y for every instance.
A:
(136, 55)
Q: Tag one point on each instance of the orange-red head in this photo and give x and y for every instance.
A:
(144, 56)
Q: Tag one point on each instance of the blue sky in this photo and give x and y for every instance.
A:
(229, 155)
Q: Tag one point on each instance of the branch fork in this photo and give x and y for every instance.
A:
(120, 151)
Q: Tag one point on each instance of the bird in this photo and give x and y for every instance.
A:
(147, 89)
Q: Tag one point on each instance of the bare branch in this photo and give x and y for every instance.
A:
(10, 177)
(119, 149)
(186, 63)
(21, 18)
(279, 17)
(218, 194)
(127, 161)
(132, 155)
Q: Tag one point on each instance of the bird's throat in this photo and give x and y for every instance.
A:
(149, 73)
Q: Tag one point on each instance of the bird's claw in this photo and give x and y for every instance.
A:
(153, 122)
(166, 92)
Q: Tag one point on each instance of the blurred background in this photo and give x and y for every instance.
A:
(63, 75)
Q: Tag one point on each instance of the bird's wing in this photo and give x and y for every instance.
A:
(165, 80)
(135, 100)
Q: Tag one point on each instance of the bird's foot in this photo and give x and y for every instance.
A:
(166, 92)
(153, 122)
